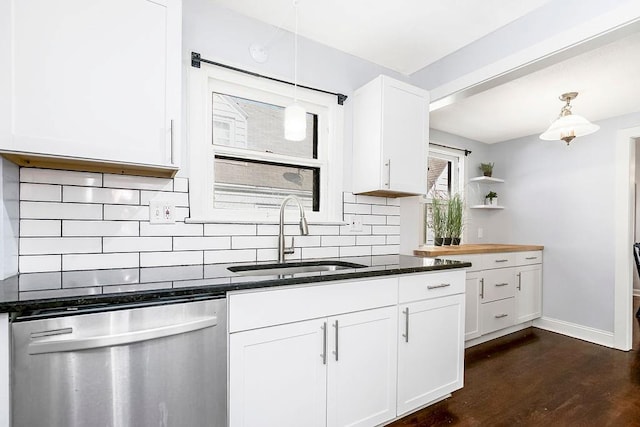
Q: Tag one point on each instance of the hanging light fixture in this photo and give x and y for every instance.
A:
(295, 116)
(567, 126)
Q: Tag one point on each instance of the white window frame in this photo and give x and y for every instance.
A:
(208, 78)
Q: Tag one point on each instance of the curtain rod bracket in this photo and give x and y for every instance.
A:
(196, 59)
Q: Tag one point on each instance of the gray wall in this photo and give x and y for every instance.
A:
(562, 197)
(636, 278)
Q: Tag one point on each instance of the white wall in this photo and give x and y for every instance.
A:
(8, 219)
(562, 197)
(636, 278)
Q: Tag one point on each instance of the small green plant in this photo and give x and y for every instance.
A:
(486, 168)
(438, 218)
(491, 195)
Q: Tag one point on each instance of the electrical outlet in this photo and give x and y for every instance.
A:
(162, 212)
(480, 232)
(355, 223)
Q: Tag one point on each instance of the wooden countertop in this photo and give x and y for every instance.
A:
(485, 248)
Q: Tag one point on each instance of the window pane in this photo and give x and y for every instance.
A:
(243, 184)
(439, 177)
(258, 126)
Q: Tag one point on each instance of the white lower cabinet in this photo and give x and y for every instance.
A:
(472, 304)
(327, 354)
(528, 293)
(430, 350)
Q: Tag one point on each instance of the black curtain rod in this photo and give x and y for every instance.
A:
(466, 152)
(196, 60)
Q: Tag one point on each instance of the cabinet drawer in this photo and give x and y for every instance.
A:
(529, 257)
(498, 284)
(276, 306)
(475, 260)
(424, 286)
(499, 260)
(498, 314)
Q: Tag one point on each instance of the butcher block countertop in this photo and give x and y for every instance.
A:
(485, 248)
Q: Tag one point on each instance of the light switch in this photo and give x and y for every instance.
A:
(161, 212)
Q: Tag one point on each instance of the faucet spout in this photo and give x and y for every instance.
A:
(304, 227)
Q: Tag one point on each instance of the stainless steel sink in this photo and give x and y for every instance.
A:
(291, 268)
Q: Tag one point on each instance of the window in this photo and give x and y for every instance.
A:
(444, 178)
(241, 165)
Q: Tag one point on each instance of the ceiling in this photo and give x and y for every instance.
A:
(606, 79)
(404, 39)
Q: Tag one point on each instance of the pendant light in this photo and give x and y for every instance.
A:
(295, 116)
(567, 126)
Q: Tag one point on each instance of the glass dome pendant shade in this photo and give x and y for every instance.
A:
(568, 126)
(295, 116)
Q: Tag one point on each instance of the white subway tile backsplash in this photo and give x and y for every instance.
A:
(136, 244)
(41, 192)
(40, 228)
(393, 240)
(302, 241)
(137, 182)
(370, 240)
(124, 213)
(136, 288)
(117, 276)
(393, 220)
(100, 228)
(373, 219)
(158, 274)
(355, 251)
(59, 245)
(51, 210)
(162, 259)
(225, 256)
(346, 230)
(200, 282)
(229, 229)
(326, 252)
(50, 176)
(272, 229)
(352, 208)
(324, 230)
(385, 229)
(348, 197)
(177, 229)
(246, 242)
(39, 263)
(385, 210)
(39, 281)
(181, 185)
(393, 201)
(201, 243)
(178, 199)
(372, 200)
(385, 250)
(115, 196)
(100, 261)
(60, 293)
(272, 255)
(338, 240)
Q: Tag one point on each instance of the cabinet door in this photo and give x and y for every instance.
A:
(362, 368)
(472, 306)
(277, 376)
(498, 284)
(405, 137)
(528, 293)
(97, 79)
(430, 351)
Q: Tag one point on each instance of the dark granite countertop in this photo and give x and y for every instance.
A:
(34, 292)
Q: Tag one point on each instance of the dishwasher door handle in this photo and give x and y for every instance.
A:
(86, 343)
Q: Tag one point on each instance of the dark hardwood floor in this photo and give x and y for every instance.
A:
(539, 378)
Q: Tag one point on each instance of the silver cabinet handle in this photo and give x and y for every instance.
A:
(482, 288)
(388, 165)
(519, 281)
(335, 325)
(324, 343)
(531, 257)
(501, 284)
(56, 346)
(406, 325)
(500, 316)
(441, 285)
(502, 260)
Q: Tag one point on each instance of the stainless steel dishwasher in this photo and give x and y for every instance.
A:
(162, 365)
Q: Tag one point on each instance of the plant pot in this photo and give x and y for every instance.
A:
(455, 241)
(488, 173)
(438, 241)
(446, 241)
(491, 202)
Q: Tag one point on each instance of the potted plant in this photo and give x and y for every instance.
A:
(438, 220)
(487, 169)
(491, 198)
(455, 207)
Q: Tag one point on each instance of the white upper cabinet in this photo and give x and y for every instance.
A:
(390, 138)
(91, 80)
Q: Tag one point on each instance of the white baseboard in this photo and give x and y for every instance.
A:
(584, 333)
(497, 334)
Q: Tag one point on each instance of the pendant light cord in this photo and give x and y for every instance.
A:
(295, 55)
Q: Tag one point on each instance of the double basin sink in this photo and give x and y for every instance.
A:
(291, 268)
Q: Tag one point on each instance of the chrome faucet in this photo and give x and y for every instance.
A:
(304, 228)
